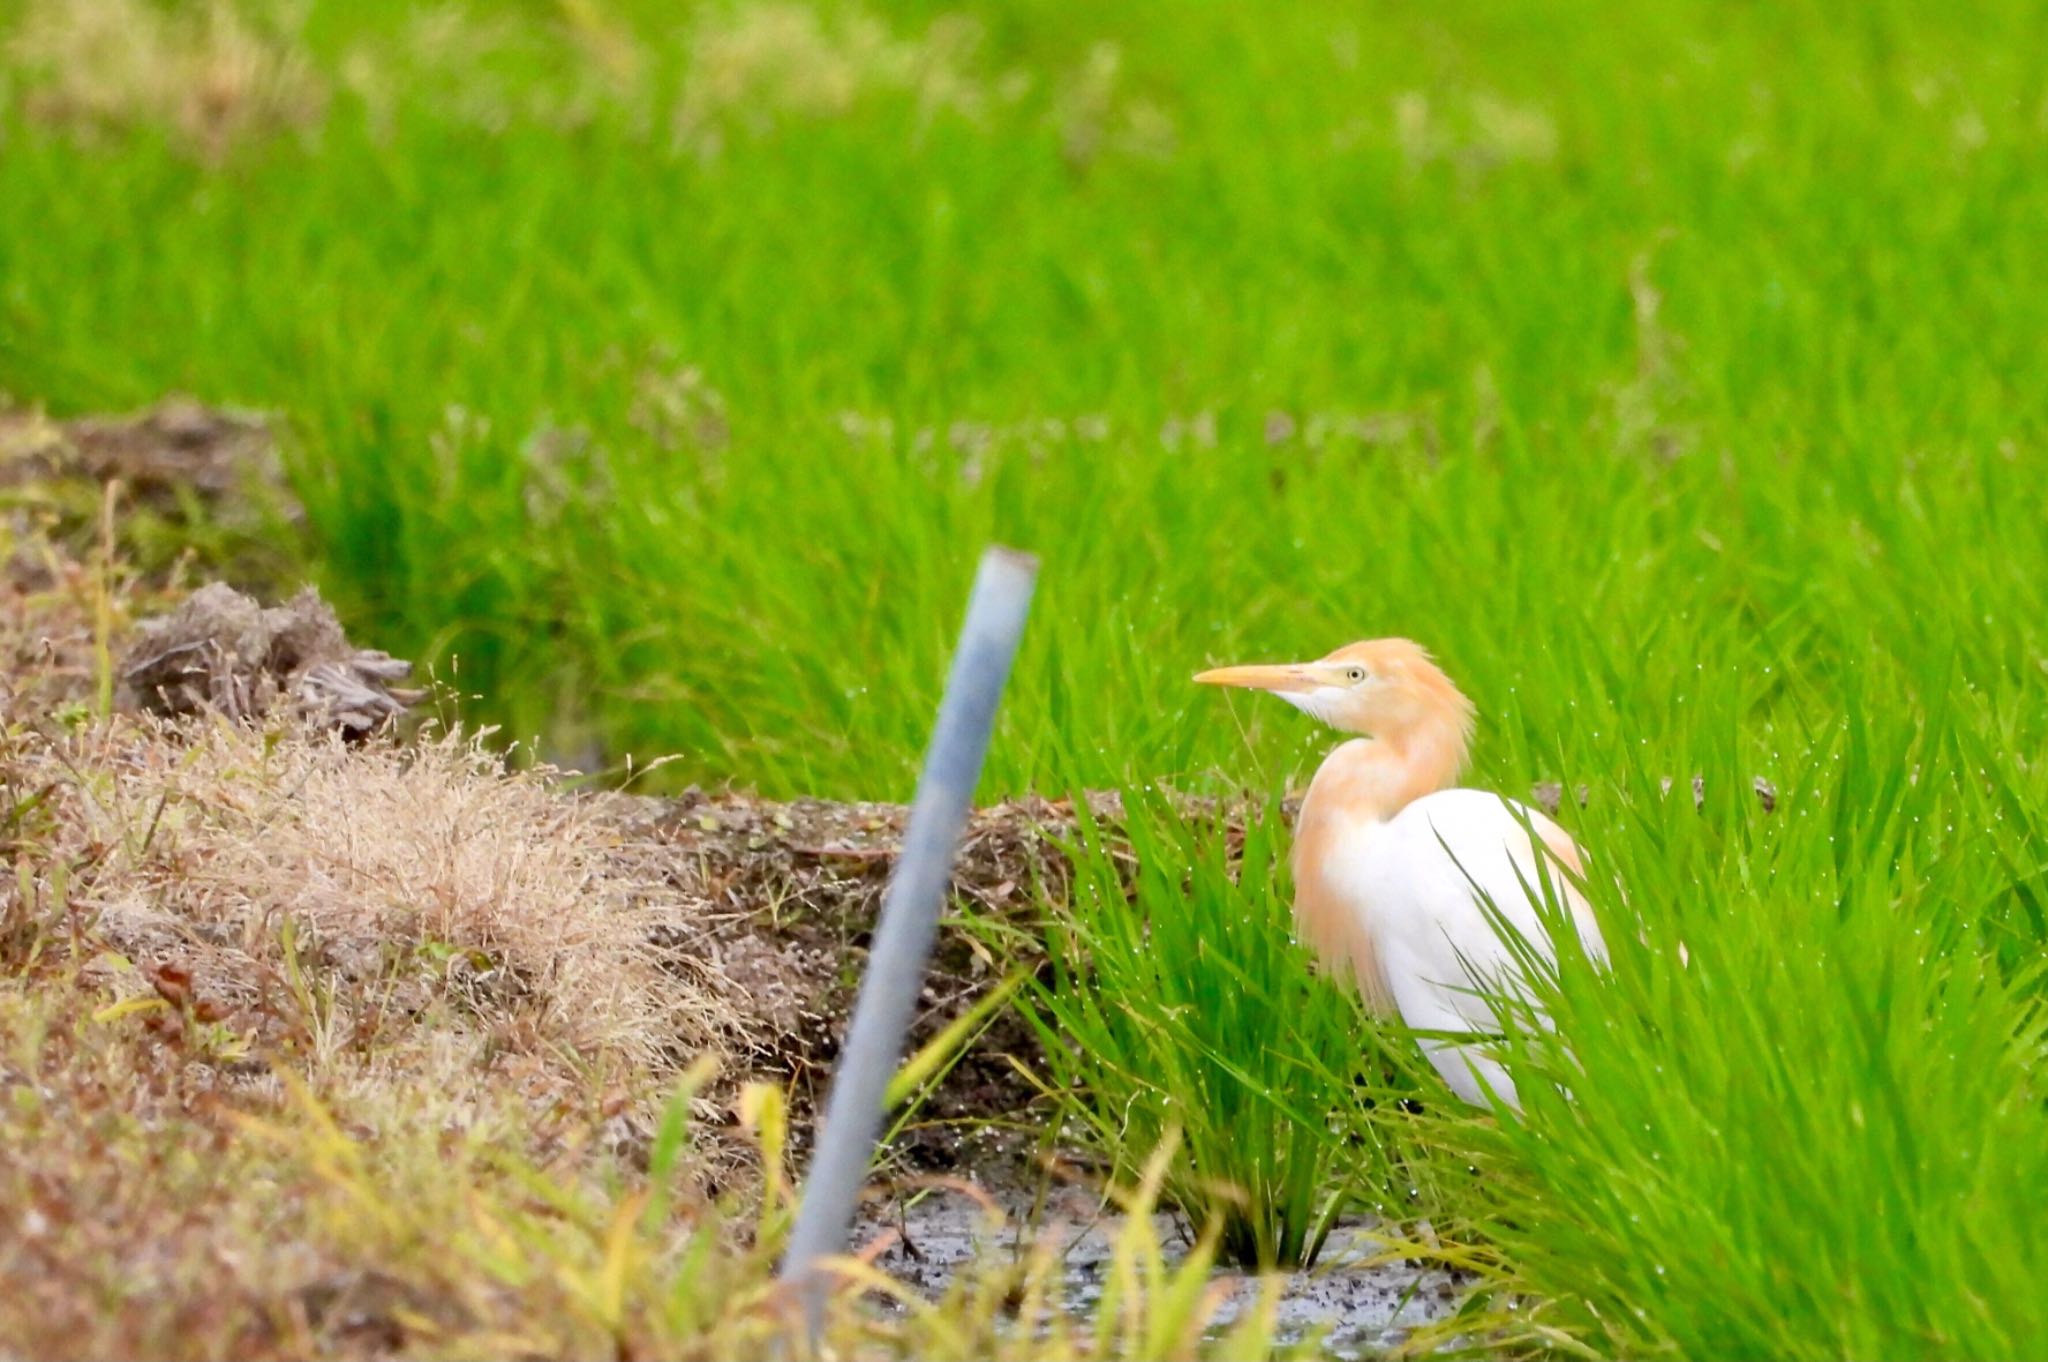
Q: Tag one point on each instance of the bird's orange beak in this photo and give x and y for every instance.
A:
(1287, 678)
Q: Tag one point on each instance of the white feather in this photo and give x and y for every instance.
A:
(1417, 880)
(1319, 703)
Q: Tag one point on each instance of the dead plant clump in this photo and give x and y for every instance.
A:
(364, 908)
(220, 652)
(291, 897)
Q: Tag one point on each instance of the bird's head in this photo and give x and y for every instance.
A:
(1387, 688)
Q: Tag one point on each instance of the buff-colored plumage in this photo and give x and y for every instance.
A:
(1393, 865)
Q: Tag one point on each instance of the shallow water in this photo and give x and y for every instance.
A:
(1357, 1308)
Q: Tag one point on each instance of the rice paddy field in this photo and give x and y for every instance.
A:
(656, 374)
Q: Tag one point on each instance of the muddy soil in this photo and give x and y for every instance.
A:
(784, 899)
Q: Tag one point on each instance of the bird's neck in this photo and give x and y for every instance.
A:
(1375, 778)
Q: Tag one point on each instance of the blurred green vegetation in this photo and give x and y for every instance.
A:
(660, 373)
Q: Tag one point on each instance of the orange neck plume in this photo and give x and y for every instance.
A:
(1425, 751)
(1376, 778)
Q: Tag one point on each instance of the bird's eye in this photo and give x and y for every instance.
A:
(1354, 674)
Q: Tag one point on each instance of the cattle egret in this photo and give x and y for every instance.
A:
(1392, 866)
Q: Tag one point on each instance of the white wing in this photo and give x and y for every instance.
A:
(1428, 867)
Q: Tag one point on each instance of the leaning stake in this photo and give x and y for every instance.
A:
(910, 919)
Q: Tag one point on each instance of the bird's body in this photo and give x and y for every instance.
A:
(1394, 867)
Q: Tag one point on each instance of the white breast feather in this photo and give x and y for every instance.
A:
(1413, 878)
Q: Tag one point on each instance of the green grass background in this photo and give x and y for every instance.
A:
(1818, 448)
(1672, 368)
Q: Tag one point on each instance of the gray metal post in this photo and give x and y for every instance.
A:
(909, 920)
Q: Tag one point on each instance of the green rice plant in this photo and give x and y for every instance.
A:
(656, 372)
(1180, 1005)
(1802, 1117)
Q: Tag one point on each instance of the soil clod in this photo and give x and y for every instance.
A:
(222, 651)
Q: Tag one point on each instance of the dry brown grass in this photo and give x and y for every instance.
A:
(211, 74)
(753, 65)
(341, 901)
(219, 74)
(311, 1048)
(323, 903)
(149, 1211)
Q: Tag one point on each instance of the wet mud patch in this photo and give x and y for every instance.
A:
(1356, 1303)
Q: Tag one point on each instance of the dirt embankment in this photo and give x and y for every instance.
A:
(785, 897)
